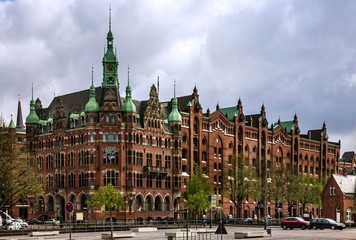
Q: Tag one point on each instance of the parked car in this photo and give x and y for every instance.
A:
(248, 221)
(52, 222)
(35, 221)
(22, 223)
(14, 226)
(322, 223)
(294, 222)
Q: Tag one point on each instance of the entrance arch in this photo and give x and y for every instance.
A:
(59, 207)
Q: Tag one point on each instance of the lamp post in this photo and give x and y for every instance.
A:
(268, 180)
(91, 187)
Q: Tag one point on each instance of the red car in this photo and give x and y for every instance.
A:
(294, 222)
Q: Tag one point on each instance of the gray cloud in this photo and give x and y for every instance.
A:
(293, 56)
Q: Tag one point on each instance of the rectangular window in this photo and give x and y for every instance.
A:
(139, 158)
(159, 181)
(158, 160)
(167, 162)
(149, 159)
(168, 182)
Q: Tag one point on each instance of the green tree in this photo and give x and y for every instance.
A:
(197, 192)
(293, 188)
(109, 197)
(310, 191)
(277, 188)
(240, 181)
(18, 177)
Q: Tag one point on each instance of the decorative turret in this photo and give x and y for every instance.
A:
(174, 116)
(32, 117)
(128, 105)
(12, 124)
(92, 105)
(110, 62)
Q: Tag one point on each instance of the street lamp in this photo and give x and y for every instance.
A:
(268, 180)
(91, 187)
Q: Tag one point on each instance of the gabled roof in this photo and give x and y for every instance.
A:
(230, 111)
(288, 125)
(348, 156)
(347, 184)
(255, 120)
(316, 134)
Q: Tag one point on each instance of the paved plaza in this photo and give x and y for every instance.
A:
(277, 233)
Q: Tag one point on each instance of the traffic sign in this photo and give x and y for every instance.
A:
(69, 207)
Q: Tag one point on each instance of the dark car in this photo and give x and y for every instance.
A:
(294, 222)
(322, 223)
(35, 221)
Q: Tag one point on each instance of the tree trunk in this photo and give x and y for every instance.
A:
(111, 227)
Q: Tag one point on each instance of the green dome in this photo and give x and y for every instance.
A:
(12, 124)
(128, 105)
(32, 116)
(92, 105)
(174, 116)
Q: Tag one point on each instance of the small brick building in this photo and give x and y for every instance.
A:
(338, 198)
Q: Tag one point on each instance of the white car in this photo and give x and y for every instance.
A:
(14, 226)
(52, 221)
(21, 222)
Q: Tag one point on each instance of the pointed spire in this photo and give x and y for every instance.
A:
(92, 75)
(19, 120)
(12, 124)
(279, 119)
(128, 105)
(32, 117)
(174, 88)
(110, 17)
(174, 116)
(295, 117)
(92, 105)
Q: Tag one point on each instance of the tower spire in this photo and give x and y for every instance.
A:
(110, 16)
(92, 75)
(128, 75)
(19, 120)
(32, 90)
(174, 87)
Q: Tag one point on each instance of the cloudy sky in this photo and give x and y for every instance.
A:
(293, 56)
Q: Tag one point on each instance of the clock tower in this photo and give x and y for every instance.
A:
(110, 62)
(110, 84)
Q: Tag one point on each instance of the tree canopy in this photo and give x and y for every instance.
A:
(109, 197)
(240, 181)
(197, 191)
(18, 177)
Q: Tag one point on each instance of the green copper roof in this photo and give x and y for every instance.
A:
(289, 125)
(32, 117)
(92, 105)
(82, 114)
(231, 111)
(74, 116)
(128, 105)
(137, 115)
(12, 124)
(42, 122)
(50, 120)
(174, 116)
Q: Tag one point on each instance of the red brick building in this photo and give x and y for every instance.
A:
(348, 162)
(338, 198)
(148, 149)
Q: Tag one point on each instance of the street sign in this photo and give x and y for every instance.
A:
(182, 211)
(213, 201)
(69, 207)
(221, 229)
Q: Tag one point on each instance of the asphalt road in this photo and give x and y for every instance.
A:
(277, 233)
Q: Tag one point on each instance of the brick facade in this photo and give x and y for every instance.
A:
(149, 158)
